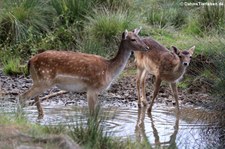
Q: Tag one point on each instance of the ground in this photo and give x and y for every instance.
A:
(16, 137)
(122, 92)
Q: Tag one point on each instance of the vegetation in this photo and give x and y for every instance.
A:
(95, 26)
(87, 135)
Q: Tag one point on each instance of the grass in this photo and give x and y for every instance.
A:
(12, 67)
(19, 19)
(212, 18)
(95, 26)
(12, 63)
(105, 25)
(90, 134)
(168, 14)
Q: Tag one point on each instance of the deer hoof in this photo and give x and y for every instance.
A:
(144, 103)
(139, 105)
(149, 109)
(40, 116)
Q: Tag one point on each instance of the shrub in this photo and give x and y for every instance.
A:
(62, 38)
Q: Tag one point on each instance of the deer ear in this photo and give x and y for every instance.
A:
(137, 30)
(124, 35)
(175, 50)
(191, 50)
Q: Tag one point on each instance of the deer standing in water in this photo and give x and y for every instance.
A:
(165, 65)
(79, 72)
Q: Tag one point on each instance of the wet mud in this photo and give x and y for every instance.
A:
(121, 93)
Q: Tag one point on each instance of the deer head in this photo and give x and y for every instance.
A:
(131, 40)
(185, 56)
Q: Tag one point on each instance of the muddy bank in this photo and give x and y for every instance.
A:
(121, 93)
(16, 137)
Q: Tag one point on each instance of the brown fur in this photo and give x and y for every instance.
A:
(79, 72)
(164, 64)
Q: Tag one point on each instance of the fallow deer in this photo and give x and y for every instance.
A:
(164, 64)
(79, 72)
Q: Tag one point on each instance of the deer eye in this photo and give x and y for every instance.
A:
(190, 57)
(180, 56)
(133, 39)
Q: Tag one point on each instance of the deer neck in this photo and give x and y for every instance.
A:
(118, 63)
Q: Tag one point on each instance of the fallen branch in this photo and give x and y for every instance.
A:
(48, 96)
(53, 95)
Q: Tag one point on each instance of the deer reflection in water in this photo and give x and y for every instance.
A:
(141, 133)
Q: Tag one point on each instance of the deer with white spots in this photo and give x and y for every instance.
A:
(164, 64)
(79, 72)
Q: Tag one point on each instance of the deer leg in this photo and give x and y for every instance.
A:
(139, 74)
(175, 93)
(156, 90)
(143, 79)
(39, 108)
(33, 92)
(92, 101)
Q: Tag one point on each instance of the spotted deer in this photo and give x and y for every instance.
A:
(79, 72)
(164, 64)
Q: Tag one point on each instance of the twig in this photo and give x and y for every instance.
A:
(48, 96)
(53, 95)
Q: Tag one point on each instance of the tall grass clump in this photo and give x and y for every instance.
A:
(72, 11)
(92, 134)
(165, 14)
(20, 18)
(115, 4)
(193, 27)
(11, 63)
(105, 26)
(206, 20)
(212, 18)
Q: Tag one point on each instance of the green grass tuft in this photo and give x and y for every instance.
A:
(19, 19)
(105, 25)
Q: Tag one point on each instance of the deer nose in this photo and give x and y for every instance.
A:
(185, 64)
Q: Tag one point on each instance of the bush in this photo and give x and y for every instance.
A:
(62, 38)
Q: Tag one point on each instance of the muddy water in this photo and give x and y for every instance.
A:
(193, 128)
